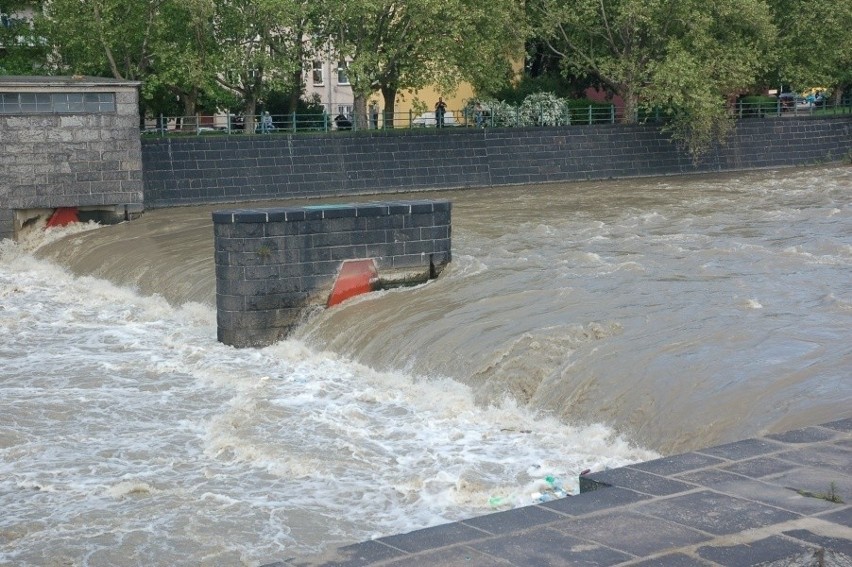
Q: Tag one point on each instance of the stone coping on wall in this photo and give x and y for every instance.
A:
(319, 212)
(27, 83)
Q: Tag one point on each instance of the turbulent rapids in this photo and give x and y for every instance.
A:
(579, 326)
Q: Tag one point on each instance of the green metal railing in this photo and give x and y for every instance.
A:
(503, 116)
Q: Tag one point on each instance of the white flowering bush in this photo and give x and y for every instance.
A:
(504, 114)
(495, 113)
(544, 109)
(538, 109)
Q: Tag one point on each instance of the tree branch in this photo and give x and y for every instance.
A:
(112, 64)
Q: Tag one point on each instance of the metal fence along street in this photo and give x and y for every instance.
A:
(496, 116)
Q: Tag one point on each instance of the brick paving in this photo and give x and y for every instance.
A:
(781, 500)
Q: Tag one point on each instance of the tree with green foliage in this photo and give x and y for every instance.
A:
(391, 46)
(488, 42)
(100, 37)
(166, 44)
(260, 48)
(303, 24)
(191, 54)
(684, 57)
(242, 34)
(181, 60)
(814, 45)
(22, 50)
(385, 46)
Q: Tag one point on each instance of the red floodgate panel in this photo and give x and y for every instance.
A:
(62, 216)
(355, 277)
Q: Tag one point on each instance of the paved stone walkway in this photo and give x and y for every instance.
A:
(765, 501)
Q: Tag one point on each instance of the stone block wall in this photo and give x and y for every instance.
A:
(220, 169)
(69, 158)
(274, 264)
(7, 223)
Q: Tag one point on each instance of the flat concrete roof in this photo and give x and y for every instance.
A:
(18, 81)
(777, 500)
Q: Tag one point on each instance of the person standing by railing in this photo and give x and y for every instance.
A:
(266, 123)
(374, 116)
(440, 110)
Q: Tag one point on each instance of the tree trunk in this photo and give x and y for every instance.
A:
(389, 96)
(631, 106)
(359, 113)
(252, 96)
(248, 116)
(296, 78)
(295, 92)
(190, 106)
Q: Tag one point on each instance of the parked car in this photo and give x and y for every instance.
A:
(816, 94)
(794, 101)
(343, 122)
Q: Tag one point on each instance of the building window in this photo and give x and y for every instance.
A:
(342, 75)
(344, 109)
(68, 102)
(99, 102)
(56, 103)
(317, 73)
(29, 103)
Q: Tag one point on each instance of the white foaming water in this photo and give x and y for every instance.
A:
(685, 312)
(128, 435)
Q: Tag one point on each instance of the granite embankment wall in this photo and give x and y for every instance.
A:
(222, 169)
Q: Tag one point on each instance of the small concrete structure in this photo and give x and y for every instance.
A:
(68, 142)
(274, 264)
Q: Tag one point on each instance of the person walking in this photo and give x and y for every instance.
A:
(440, 110)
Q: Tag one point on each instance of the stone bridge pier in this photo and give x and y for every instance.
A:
(274, 264)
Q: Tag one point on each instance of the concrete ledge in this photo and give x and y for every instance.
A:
(778, 500)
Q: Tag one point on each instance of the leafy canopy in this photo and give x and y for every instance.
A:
(681, 56)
